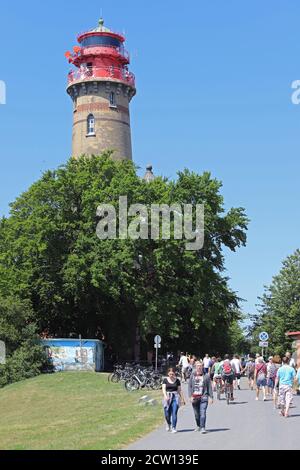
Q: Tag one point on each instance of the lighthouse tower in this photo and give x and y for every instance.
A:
(101, 88)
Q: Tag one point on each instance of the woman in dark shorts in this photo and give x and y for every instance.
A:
(173, 397)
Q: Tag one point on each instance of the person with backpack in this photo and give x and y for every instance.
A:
(228, 373)
(260, 377)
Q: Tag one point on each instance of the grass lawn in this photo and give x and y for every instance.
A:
(74, 410)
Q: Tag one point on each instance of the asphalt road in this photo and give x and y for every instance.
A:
(244, 424)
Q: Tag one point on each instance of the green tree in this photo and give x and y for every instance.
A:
(279, 311)
(24, 355)
(127, 290)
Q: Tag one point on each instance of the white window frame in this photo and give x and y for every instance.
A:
(91, 125)
(112, 100)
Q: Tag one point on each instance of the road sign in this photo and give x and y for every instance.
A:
(157, 345)
(157, 339)
(263, 344)
(263, 336)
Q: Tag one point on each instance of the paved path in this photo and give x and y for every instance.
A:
(244, 424)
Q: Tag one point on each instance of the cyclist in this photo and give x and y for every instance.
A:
(228, 374)
(216, 371)
(236, 363)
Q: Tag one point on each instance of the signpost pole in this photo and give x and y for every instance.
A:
(157, 341)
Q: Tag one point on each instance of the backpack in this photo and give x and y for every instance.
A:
(227, 369)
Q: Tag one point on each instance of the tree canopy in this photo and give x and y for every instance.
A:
(123, 290)
(279, 311)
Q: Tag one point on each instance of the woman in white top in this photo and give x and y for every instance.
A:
(236, 364)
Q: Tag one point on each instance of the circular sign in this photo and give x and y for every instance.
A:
(263, 336)
(157, 339)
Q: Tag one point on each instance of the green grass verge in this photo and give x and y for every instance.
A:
(74, 410)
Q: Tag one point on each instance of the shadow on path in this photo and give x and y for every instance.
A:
(238, 402)
(207, 430)
(218, 430)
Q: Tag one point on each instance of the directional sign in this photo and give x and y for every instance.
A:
(157, 339)
(156, 345)
(263, 336)
(263, 344)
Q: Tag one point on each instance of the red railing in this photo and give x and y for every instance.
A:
(117, 73)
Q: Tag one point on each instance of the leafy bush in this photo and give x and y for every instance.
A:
(24, 355)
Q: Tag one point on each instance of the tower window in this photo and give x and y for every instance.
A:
(90, 125)
(112, 99)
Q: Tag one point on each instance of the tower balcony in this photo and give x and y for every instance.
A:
(111, 72)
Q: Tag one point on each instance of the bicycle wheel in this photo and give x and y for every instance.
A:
(228, 395)
(131, 385)
(115, 378)
(157, 383)
(218, 392)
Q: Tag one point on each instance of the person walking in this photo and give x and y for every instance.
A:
(249, 371)
(277, 362)
(172, 399)
(183, 364)
(206, 363)
(291, 360)
(271, 375)
(236, 363)
(200, 393)
(285, 378)
(260, 377)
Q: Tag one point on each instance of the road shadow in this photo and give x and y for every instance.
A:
(218, 430)
(293, 416)
(186, 430)
(238, 402)
(208, 430)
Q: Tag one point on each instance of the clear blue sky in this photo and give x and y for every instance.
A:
(213, 93)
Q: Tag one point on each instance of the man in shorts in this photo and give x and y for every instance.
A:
(228, 373)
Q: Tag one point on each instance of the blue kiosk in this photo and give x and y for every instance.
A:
(75, 354)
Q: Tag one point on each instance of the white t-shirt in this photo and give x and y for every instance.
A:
(236, 364)
(292, 362)
(184, 362)
(206, 362)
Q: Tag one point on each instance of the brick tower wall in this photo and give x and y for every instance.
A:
(112, 123)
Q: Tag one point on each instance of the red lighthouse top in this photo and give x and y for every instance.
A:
(101, 54)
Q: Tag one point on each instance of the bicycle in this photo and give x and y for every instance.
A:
(228, 390)
(219, 387)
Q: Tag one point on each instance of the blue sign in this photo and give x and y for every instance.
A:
(263, 336)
